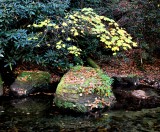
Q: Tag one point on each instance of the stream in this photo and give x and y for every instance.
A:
(27, 115)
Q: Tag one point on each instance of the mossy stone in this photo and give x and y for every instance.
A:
(29, 81)
(79, 90)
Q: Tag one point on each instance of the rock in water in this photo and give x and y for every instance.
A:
(83, 89)
(30, 81)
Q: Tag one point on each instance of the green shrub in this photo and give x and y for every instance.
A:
(15, 15)
(37, 32)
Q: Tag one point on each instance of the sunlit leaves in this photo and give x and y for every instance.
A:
(74, 50)
(60, 44)
(64, 24)
(68, 39)
(43, 23)
(86, 21)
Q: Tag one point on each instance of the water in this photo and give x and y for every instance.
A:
(22, 116)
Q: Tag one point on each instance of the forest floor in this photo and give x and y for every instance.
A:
(118, 67)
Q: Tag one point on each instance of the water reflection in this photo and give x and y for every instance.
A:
(13, 119)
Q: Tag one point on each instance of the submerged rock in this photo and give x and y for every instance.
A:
(83, 89)
(33, 105)
(30, 81)
(1, 86)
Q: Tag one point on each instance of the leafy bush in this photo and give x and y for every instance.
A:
(37, 32)
(15, 15)
(79, 34)
(19, 12)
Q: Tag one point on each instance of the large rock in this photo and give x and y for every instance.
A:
(1, 86)
(83, 89)
(30, 81)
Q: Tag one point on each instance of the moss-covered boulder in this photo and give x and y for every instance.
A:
(28, 82)
(83, 89)
(1, 86)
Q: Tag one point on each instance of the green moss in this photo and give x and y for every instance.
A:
(70, 105)
(76, 68)
(106, 84)
(35, 78)
(103, 89)
(83, 88)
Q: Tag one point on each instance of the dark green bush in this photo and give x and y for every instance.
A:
(37, 32)
(15, 16)
(20, 42)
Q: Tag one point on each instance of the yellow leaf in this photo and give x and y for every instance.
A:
(64, 24)
(124, 48)
(101, 17)
(63, 31)
(37, 45)
(58, 46)
(68, 39)
(48, 45)
(82, 31)
(59, 42)
(51, 25)
(56, 27)
(114, 53)
(72, 17)
(72, 30)
(63, 45)
(103, 39)
(134, 44)
(75, 33)
(115, 49)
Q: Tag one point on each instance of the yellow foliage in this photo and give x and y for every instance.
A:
(86, 21)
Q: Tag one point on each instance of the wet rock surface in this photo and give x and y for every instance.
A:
(132, 94)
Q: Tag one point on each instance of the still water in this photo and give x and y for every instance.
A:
(34, 115)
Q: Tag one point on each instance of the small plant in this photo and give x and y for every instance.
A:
(106, 81)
